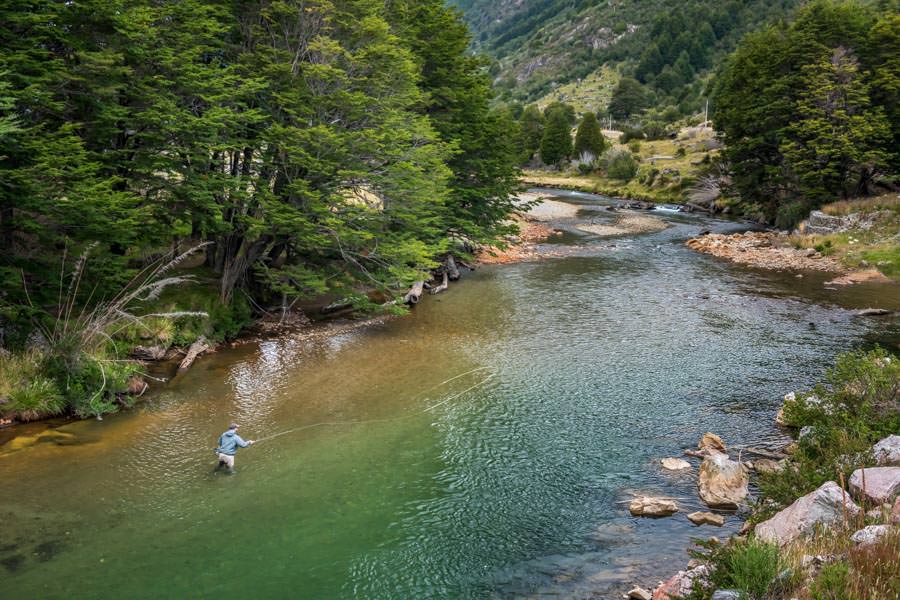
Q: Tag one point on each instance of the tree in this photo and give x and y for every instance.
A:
(556, 145)
(532, 131)
(628, 98)
(589, 137)
(567, 110)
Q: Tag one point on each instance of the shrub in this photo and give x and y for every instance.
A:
(751, 566)
(832, 583)
(26, 394)
(634, 146)
(620, 164)
(630, 133)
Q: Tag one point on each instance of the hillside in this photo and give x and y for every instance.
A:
(541, 45)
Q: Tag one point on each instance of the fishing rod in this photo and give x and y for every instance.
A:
(393, 419)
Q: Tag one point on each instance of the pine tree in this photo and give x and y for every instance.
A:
(556, 145)
(532, 131)
(629, 98)
(589, 137)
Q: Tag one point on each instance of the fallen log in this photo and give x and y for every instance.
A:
(196, 349)
(444, 285)
(414, 293)
(451, 268)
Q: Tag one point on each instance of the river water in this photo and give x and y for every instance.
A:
(484, 446)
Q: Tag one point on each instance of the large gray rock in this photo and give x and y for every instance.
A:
(827, 506)
(870, 535)
(887, 451)
(878, 484)
(723, 482)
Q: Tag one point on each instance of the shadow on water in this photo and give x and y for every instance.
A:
(505, 482)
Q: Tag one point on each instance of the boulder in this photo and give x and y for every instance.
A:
(711, 441)
(765, 465)
(829, 505)
(680, 584)
(675, 464)
(706, 518)
(878, 484)
(723, 482)
(887, 451)
(870, 535)
(647, 506)
(639, 593)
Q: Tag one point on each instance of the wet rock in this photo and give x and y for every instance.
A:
(873, 312)
(878, 484)
(149, 353)
(706, 518)
(723, 482)
(647, 506)
(639, 593)
(887, 451)
(765, 465)
(681, 583)
(827, 506)
(727, 595)
(870, 535)
(711, 441)
(675, 464)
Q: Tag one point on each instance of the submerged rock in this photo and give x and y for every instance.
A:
(878, 484)
(706, 518)
(723, 482)
(675, 464)
(827, 506)
(887, 451)
(647, 506)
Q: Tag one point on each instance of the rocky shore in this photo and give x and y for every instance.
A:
(768, 250)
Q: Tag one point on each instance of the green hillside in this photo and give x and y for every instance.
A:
(542, 45)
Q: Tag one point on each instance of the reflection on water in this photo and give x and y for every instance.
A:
(511, 486)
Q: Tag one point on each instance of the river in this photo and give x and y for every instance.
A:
(483, 446)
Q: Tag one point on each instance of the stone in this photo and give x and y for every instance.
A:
(706, 518)
(765, 465)
(639, 593)
(873, 312)
(870, 535)
(150, 353)
(878, 484)
(827, 506)
(675, 464)
(887, 451)
(680, 584)
(647, 506)
(895, 512)
(727, 595)
(711, 441)
(779, 417)
(723, 482)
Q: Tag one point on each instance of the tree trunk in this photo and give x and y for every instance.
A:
(414, 293)
(196, 349)
(450, 268)
(444, 285)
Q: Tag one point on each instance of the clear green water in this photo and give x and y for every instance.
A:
(600, 362)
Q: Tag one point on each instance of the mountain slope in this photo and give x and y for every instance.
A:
(540, 45)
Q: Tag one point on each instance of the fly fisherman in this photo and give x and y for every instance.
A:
(229, 442)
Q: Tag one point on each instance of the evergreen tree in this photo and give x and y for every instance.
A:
(589, 137)
(556, 145)
(628, 98)
(532, 131)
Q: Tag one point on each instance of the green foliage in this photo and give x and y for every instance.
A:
(750, 566)
(620, 164)
(832, 583)
(807, 110)
(589, 137)
(858, 404)
(25, 392)
(628, 99)
(531, 131)
(556, 145)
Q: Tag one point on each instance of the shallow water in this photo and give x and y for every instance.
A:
(506, 482)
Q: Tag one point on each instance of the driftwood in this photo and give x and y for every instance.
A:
(336, 307)
(196, 349)
(414, 293)
(444, 285)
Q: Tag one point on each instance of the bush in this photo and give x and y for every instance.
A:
(620, 164)
(630, 133)
(634, 146)
(26, 394)
(751, 566)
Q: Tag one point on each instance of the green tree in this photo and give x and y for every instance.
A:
(532, 131)
(589, 137)
(628, 98)
(567, 110)
(556, 145)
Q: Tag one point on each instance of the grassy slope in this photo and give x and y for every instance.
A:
(592, 93)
